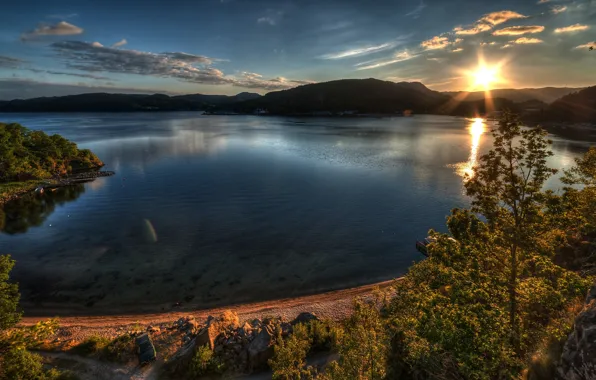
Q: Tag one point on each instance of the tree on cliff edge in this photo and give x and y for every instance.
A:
(16, 363)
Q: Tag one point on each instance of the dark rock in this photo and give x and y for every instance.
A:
(179, 363)
(286, 328)
(260, 350)
(304, 318)
(578, 360)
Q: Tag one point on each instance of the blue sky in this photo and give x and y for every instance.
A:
(229, 46)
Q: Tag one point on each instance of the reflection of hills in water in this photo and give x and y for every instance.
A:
(140, 151)
(33, 208)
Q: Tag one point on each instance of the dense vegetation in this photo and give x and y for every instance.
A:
(26, 155)
(491, 301)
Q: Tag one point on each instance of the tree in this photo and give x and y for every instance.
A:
(507, 190)
(289, 359)
(9, 295)
(362, 345)
(16, 362)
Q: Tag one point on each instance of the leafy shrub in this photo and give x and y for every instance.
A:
(205, 362)
(121, 349)
(289, 359)
(92, 345)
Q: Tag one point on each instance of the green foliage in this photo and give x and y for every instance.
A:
(204, 362)
(9, 295)
(26, 154)
(289, 359)
(16, 362)
(19, 364)
(31, 336)
(93, 345)
(120, 349)
(362, 345)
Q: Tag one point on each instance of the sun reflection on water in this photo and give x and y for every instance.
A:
(477, 129)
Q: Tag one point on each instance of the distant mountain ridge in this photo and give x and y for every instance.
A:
(340, 97)
(104, 102)
(345, 95)
(544, 94)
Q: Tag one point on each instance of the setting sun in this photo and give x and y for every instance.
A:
(485, 76)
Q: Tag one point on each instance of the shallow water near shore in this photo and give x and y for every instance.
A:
(216, 210)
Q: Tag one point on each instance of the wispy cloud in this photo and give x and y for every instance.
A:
(587, 46)
(479, 28)
(543, 1)
(122, 42)
(496, 18)
(572, 28)
(527, 40)
(436, 43)
(558, 9)
(254, 80)
(52, 72)
(10, 62)
(397, 57)
(271, 18)
(519, 30)
(457, 50)
(266, 20)
(88, 57)
(488, 21)
(415, 13)
(356, 52)
(62, 28)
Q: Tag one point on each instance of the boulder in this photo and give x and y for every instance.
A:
(578, 360)
(179, 363)
(208, 335)
(260, 350)
(245, 330)
(304, 318)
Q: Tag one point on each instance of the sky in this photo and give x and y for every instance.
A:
(60, 47)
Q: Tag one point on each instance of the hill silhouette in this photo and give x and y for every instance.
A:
(545, 94)
(579, 107)
(104, 102)
(362, 95)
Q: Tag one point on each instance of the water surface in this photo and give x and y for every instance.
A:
(216, 210)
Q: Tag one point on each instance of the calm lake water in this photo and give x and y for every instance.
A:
(216, 210)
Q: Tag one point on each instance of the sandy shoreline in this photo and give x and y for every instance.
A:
(333, 305)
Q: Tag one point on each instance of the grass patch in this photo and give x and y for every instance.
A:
(10, 190)
(95, 344)
(121, 349)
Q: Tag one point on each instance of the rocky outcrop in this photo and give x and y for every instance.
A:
(240, 348)
(578, 360)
